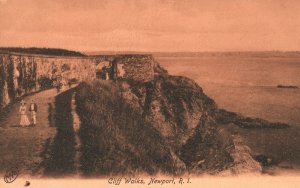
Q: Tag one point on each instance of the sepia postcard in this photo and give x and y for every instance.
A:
(149, 93)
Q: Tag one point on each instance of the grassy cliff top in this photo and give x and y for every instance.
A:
(43, 51)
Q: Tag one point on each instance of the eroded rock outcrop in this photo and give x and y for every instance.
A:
(177, 108)
(192, 124)
(168, 123)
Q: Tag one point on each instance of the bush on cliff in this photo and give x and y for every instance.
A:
(45, 82)
(116, 138)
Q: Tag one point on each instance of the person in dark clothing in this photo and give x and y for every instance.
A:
(33, 110)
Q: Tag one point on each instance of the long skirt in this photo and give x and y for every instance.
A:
(24, 120)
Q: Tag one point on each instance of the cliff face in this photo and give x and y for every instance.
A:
(186, 119)
(167, 125)
(22, 74)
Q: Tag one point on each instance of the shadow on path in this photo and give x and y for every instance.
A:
(51, 114)
(59, 152)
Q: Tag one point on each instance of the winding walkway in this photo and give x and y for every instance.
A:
(50, 148)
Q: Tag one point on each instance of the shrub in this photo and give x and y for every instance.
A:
(116, 138)
(45, 82)
(65, 67)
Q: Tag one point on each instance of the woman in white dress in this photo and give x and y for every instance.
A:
(24, 121)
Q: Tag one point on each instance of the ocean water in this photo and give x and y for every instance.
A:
(246, 85)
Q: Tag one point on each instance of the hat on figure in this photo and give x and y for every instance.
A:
(23, 102)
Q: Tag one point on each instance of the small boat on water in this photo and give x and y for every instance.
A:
(287, 87)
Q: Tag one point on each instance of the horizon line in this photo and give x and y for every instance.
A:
(145, 51)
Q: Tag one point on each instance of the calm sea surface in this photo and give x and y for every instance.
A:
(246, 85)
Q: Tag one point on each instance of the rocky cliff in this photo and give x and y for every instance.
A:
(22, 74)
(167, 125)
(33, 70)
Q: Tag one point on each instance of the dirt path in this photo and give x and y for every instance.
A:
(47, 149)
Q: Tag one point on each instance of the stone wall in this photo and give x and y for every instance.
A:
(137, 67)
(134, 67)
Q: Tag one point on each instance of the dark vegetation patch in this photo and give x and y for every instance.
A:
(45, 82)
(225, 117)
(115, 137)
(43, 51)
(264, 160)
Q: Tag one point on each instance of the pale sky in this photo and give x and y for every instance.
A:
(151, 25)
